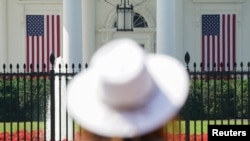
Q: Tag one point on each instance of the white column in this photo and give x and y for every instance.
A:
(72, 44)
(88, 29)
(180, 48)
(166, 25)
(72, 31)
(3, 33)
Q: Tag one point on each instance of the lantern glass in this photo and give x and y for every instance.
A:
(125, 18)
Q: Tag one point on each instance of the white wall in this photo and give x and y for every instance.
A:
(188, 24)
(245, 37)
(16, 39)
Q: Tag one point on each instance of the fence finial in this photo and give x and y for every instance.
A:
(187, 58)
(86, 65)
(52, 59)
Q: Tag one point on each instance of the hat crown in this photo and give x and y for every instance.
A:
(125, 81)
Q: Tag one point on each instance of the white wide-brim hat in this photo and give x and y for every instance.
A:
(126, 92)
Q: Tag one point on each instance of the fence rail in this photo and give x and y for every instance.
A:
(31, 103)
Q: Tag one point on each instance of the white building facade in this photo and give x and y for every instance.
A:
(80, 27)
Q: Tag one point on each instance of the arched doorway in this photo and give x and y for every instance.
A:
(141, 33)
(144, 31)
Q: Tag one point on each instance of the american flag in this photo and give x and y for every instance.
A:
(42, 39)
(218, 41)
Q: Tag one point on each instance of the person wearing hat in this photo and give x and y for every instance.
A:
(126, 93)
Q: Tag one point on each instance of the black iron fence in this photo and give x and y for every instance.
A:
(216, 97)
(32, 103)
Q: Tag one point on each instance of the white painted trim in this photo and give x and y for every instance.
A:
(142, 10)
(135, 30)
(39, 1)
(144, 36)
(219, 1)
(133, 2)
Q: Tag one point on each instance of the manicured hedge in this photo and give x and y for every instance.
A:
(218, 99)
(23, 99)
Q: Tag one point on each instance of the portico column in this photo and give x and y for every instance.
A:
(3, 33)
(166, 27)
(72, 31)
(88, 29)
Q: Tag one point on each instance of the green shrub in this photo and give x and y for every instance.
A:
(217, 99)
(23, 98)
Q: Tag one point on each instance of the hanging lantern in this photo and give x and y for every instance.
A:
(125, 14)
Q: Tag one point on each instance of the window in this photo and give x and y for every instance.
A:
(139, 21)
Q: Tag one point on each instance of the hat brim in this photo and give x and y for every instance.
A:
(91, 113)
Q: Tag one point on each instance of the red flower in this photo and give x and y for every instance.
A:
(182, 137)
(38, 135)
(23, 135)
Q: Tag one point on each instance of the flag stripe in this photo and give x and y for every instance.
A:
(213, 51)
(223, 41)
(218, 41)
(234, 38)
(37, 52)
(208, 50)
(52, 30)
(218, 53)
(27, 52)
(43, 54)
(228, 39)
(203, 52)
(47, 41)
(32, 48)
(43, 38)
(58, 35)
